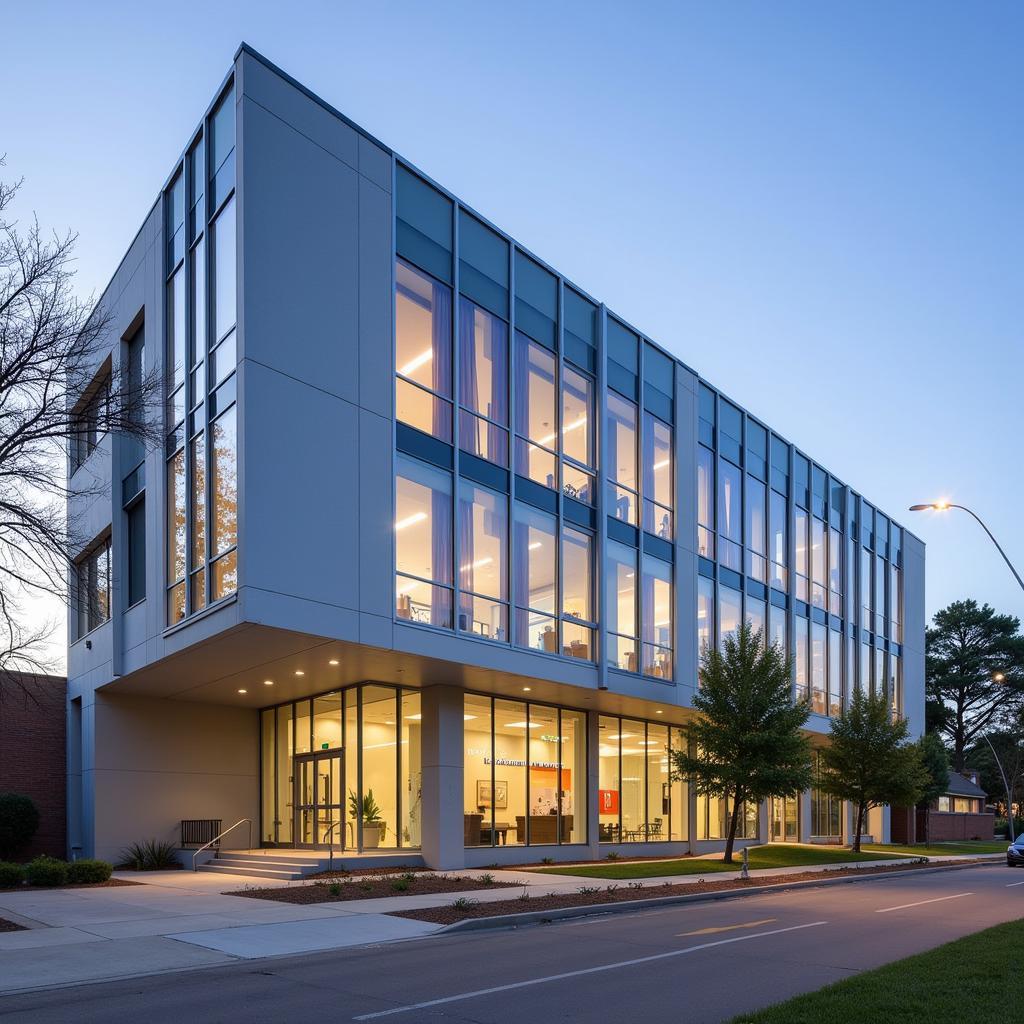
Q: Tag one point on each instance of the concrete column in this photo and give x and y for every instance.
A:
(804, 816)
(593, 781)
(442, 835)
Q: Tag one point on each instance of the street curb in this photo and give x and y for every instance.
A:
(628, 906)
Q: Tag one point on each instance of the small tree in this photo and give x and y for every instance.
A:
(746, 743)
(935, 762)
(870, 760)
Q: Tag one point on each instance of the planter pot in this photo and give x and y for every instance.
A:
(373, 833)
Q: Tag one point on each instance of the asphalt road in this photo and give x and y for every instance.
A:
(704, 962)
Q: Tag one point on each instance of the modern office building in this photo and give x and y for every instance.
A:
(427, 557)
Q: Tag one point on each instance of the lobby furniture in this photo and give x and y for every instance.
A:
(500, 833)
(543, 828)
(471, 829)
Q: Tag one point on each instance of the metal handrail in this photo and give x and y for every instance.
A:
(217, 839)
(330, 845)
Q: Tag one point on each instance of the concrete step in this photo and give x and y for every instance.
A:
(269, 865)
(282, 874)
(274, 858)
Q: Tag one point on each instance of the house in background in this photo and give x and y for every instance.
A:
(32, 752)
(958, 814)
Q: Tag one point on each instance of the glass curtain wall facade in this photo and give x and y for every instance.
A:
(200, 418)
(524, 774)
(342, 769)
(638, 801)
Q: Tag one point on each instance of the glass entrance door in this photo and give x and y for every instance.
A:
(784, 824)
(319, 799)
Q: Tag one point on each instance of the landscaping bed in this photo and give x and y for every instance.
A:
(404, 884)
(10, 926)
(110, 883)
(587, 896)
(976, 978)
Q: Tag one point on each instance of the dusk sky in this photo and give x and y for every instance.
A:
(817, 207)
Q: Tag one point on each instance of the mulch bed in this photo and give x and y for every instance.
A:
(410, 884)
(10, 926)
(110, 883)
(340, 874)
(588, 896)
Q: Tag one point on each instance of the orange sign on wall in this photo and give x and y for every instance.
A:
(607, 801)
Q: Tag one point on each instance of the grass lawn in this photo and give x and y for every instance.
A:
(774, 855)
(942, 849)
(977, 978)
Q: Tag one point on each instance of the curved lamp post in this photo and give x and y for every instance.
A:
(942, 506)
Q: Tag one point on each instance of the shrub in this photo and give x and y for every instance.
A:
(88, 871)
(19, 820)
(400, 885)
(149, 855)
(46, 871)
(11, 875)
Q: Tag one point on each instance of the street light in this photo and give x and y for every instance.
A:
(942, 506)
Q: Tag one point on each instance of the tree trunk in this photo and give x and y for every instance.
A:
(733, 822)
(860, 827)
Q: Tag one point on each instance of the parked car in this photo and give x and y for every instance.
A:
(1015, 852)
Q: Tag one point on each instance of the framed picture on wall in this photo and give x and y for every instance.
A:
(484, 795)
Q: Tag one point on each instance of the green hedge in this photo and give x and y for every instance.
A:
(11, 875)
(87, 870)
(46, 871)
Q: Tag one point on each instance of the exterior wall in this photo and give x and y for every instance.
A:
(32, 753)
(943, 827)
(156, 762)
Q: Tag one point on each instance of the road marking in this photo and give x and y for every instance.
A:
(1012, 884)
(727, 928)
(921, 903)
(583, 971)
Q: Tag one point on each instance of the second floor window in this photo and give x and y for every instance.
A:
(92, 588)
(91, 422)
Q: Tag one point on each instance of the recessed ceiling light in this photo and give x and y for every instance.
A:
(333, 661)
(268, 682)
(657, 712)
(526, 689)
(299, 672)
(468, 718)
(243, 691)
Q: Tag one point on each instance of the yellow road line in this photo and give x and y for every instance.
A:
(727, 927)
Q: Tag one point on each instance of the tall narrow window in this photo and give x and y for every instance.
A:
(757, 563)
(802, 660)
(621, 604)
(534, 568)
(176, 514)
(818, 563)
(423, 544)
(835, 572)
(705, 502)
(621, 458)
(224, 507)
(483, 379)
(777, 628)
(577, 435)
(92, 588)
(136, 560)
(895, 601)
(705, 616)
(536, 416)
(779, 550)
(423, 343)
(656, 626)
(657, 466)
(730, 611)
(866, 621)
(802, 554)
(835, 672)
(881, 578)
(577, 594)
(483, 562)
(818, 669)
(730, 516)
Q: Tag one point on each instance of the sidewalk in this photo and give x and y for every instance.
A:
(180, 919)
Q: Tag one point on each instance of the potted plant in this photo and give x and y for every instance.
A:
(368, 810)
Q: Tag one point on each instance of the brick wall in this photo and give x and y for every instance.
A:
(944, 827)
(32, 752)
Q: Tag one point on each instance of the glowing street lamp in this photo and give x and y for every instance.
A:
(943, 506)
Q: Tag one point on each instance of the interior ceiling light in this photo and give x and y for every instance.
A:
(333, 661)
(416, 362)
(299, 672)
(243, 691)
(268, 682)
(416, 517)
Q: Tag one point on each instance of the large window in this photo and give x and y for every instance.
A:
(536, 416)
(818, 563)
(524, 773)
(423, 345)
(835, 672)
(578, 620)
(757, 563)
(637, 802)
(483, 380)
(657, 473)
(818, 669)
(535, 571)
(90, 421)
(730, 516)
(802, 660)
(705, 502)
(835, 572)
(483, 561)
(866, 621)
(705, 616)
(135, 516)
(802, 566)
(730, 611)
(656, 617)
(881, 578)
(621, 605)
(578, 435)
(200, 360)
(621, 458)
(423, 543)
(343, 769)
(826, 810)
(714, 817)
(895, 601)
(92, 588)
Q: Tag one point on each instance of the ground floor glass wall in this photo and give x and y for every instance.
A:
(826, 810)
(714, 817)
(638, 801)
(524, 773)
(342, 769)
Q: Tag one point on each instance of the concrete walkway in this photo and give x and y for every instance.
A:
(181, 919)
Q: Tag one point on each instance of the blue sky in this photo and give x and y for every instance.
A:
(818, 207)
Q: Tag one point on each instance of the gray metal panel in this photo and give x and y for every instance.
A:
(375, 499)
(376, 299)
(913, 632)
